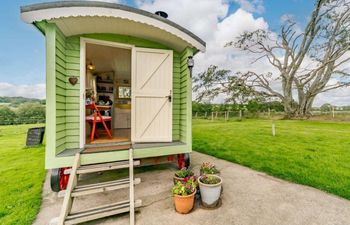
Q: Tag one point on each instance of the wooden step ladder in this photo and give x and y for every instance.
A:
(73, 191)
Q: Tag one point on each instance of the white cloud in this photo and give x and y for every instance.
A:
(290, 18)
(199, 17)
(253, 6)
(338, 97)
(286, 17)
(24, 90)
(209, 20)
(227, 30)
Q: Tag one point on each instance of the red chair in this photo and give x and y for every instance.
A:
(95, 118)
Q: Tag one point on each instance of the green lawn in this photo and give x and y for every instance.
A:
(313, 153)
(21, 176)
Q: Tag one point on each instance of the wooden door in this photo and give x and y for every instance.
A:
(152, 95)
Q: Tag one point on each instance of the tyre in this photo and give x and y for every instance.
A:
(187, 160)
(59, 179)
(55, 180)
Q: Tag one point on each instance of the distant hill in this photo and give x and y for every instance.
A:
(16, 101)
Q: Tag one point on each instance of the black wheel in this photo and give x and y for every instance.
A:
(187, 160)
(55, 180)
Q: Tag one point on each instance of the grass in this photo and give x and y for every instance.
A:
(314, 153)
(22, 175)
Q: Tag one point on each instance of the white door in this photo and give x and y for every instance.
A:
(152, 95)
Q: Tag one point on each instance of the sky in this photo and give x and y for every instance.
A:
(22, 55)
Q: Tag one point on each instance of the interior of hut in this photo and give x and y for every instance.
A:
(108, 94)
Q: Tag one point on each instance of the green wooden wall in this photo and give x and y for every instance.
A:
(66, 96)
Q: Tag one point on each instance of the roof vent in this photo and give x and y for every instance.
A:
(162, 14)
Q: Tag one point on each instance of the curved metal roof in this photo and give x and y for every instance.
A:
(111, 12)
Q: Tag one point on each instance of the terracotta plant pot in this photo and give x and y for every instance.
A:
(184, 204)
(210, 193)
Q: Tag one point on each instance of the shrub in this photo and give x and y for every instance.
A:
(184, 189)
(31, 113)
(210, 179)
(7, 115)
(183, 173)
(208, 168)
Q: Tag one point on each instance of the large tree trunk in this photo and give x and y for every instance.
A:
(288, 98)
(305, 105)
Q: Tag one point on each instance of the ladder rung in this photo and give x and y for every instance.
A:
(105, 166)
(100, 187)
(100, 212)
(103, 187)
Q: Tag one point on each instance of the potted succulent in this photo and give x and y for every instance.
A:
(184, 195)
(208, 168)
(182, 175)
(210, 189)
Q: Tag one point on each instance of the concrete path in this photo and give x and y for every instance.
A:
(249, 198)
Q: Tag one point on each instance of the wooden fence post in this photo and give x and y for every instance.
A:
(196, 115)
(273, 128)
(205, 115)
(212, 116)
(240, 114)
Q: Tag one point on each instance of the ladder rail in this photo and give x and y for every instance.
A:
(72, 182)
(72, 191)
(131, 189)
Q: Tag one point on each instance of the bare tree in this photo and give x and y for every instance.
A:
(306, 61)
(214, 81)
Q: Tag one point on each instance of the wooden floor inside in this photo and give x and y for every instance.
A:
(120, 141)
(119, 135)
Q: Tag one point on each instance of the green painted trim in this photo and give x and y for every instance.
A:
(189, 102)
(119, 155)
(41, 26)
(50, 150)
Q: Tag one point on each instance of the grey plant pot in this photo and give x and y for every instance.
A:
(210, 193)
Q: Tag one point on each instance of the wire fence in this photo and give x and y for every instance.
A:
(236, 115)
(244, 114)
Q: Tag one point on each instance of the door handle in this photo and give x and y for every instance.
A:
(169, 97)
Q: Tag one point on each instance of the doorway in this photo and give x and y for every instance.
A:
(108, 87)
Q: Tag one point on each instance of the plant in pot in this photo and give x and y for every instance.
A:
(182, 175)
(208, 168)
(210, 189)
(184, 195)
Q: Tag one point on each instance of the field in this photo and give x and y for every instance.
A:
(314, 153)
(21, 176)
